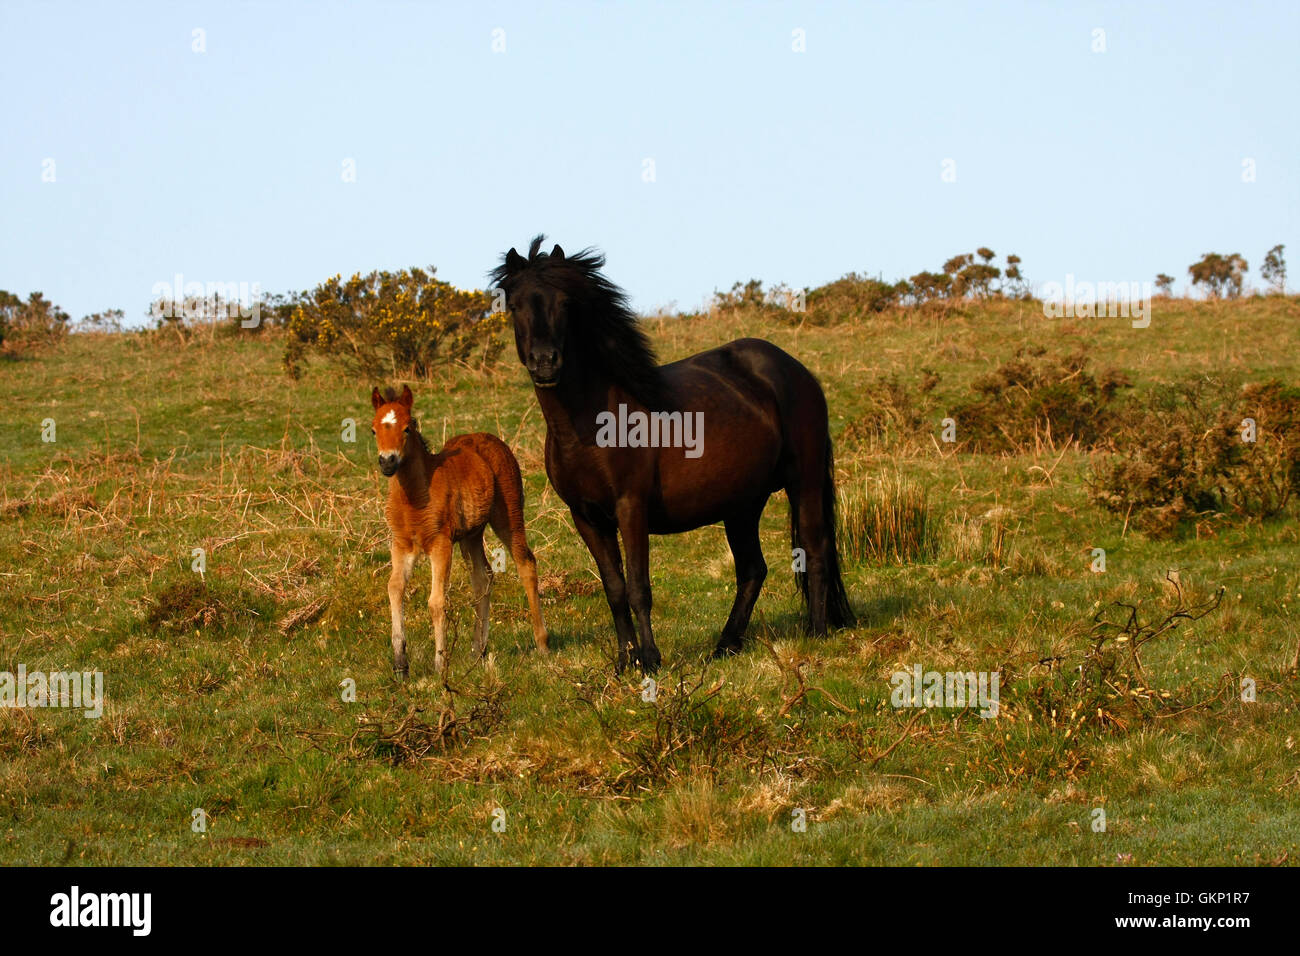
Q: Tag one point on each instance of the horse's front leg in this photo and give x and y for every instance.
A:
(634, 527)
(440, 558)
(403, 561)
(603, 544)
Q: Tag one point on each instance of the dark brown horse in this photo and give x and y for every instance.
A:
(636, 448)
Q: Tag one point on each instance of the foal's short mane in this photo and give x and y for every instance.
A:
(604, 327)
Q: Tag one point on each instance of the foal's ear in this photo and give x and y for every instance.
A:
(407, 398)
(376, 399)
(514, 261)
(557, 252)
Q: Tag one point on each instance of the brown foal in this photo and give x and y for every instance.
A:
(434, 500)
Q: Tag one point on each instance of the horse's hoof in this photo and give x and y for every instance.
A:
(726, 649)
(650, 661)
(401, 673)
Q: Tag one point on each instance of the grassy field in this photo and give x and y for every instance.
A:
(225, 690)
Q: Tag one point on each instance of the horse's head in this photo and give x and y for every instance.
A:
(567, 314)
(391, 427)
(539, 305)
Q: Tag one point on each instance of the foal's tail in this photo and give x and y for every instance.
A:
(507, 521)
(839, 613)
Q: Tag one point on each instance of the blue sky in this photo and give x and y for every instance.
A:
(227, 165)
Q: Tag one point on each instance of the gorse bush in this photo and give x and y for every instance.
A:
(398, 324)
(750, 298)
(31, 324)
(851, 298)
(893, 414)
(1039, 398)
(854, 297)
(1193, 453)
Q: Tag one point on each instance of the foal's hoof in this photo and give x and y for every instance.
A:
(650, 660)
(401, 673)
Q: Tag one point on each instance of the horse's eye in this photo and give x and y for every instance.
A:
(406, 430)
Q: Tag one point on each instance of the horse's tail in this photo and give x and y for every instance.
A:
(838, 610)
(839, 613)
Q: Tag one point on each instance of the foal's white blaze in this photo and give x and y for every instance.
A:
(389, 419)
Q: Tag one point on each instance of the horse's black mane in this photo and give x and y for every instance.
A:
(603, 325)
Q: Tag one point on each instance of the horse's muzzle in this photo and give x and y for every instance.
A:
(389, 464)
(544, 367)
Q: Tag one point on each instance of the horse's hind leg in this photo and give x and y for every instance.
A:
(508, 523)
(751, 570)
(481, 577)
(403, 561)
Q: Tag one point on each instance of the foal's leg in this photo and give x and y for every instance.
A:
(633, 526)
(403, 561)
(751, 570)
(440, 558)
(481, 577)
(603, 545)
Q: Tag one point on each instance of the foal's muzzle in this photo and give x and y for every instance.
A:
(389, 463)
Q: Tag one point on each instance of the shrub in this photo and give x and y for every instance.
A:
(204, 316)
(32, 324)
(1034, 397)
(1186, 456)
(401, 324)
(1273, 270)
(852, 297)
(1221, 276)
(892, 414)
(751, 298)
(108, 321)
(930, 287)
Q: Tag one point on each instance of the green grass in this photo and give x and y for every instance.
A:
(211, 704)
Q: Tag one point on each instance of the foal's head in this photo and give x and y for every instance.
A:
(392, 426)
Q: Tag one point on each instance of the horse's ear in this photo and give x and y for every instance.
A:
(376, 399)
(514, 261)
(407, 398)
(557, 252)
